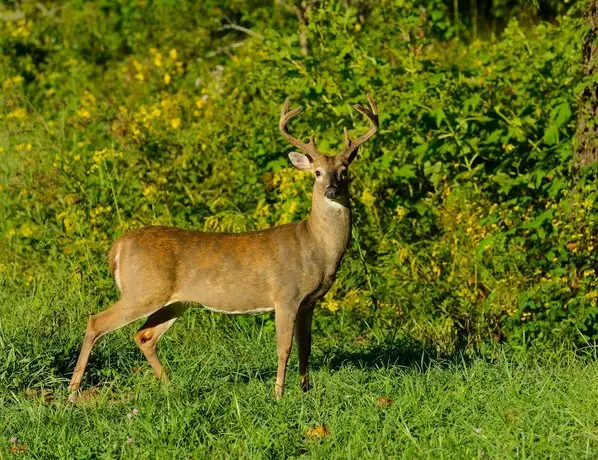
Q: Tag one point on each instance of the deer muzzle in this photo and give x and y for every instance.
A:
(331, 192)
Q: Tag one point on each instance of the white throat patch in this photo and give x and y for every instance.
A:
(333, 204)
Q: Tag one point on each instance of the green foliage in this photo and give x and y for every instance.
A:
(470, 224)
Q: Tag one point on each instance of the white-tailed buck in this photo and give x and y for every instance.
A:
(285, 269)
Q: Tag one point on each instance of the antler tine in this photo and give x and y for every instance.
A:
(371, 114)
(285, 115)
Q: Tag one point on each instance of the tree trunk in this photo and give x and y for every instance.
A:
(302, 12)
(586, 144)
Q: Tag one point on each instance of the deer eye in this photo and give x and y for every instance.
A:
(318, 173)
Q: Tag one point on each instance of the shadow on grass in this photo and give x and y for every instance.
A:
(406, 353)
(102, 364)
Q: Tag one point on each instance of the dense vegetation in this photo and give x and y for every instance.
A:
(470, 222)
(475, 234)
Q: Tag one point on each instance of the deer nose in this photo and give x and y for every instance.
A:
(330, 192)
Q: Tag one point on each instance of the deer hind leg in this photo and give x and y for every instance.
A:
(303, 338)
(285, 318)
(118, 315)
(148, 335)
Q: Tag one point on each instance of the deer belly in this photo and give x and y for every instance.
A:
(240, 311)
(227, 295)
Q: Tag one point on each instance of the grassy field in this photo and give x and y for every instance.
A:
(471, 227)
(380, 398)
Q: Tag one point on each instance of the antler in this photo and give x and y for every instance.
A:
(350, 149)
(310, 148)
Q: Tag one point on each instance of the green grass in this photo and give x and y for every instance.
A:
(221, 405)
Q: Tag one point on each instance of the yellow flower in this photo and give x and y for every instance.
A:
(149, 190)
(13, 81)
(367, 198)
(173, 54)
(175, 123)
(19, 114)
(138, 65)
(99, 156)
(24, 147)
(69, 225)
(22, 29)
(401, 211)
(332, 305)
(83, 113)
(88, 99)
(27, 230)
(167, 79)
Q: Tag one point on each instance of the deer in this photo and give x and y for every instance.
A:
(162, 271)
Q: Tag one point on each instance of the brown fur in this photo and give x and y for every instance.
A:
(285, 269)
(112, 259)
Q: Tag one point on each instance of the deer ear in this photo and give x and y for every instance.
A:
(300, 161)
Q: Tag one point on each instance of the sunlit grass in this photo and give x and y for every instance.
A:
(381, 400)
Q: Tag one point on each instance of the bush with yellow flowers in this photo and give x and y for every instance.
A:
(470, 222)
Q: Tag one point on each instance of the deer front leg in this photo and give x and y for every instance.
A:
(303, 338)
(286, 315)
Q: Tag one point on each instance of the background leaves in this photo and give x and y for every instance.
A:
(470, 223)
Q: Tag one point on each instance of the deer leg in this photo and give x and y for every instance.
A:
(303, 338)
(148, 335)
(117, 316)
(285, 318)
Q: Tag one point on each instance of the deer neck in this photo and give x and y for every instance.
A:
(330, 225)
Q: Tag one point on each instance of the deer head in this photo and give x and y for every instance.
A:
(330, 172)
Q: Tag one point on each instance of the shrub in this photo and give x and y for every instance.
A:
(470, 224)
